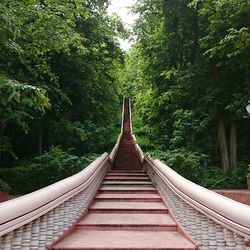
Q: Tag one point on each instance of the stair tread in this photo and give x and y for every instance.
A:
(127, 182)
(128, 195)
(126, 205)
(122, 178)
(127, 219)
(131, 188)
(111, 239)
(127, 174)
(127, 171)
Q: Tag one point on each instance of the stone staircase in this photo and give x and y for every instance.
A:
(127, 213)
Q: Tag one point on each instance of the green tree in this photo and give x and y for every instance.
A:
(70, 50)
(17, 104)
(191, 75)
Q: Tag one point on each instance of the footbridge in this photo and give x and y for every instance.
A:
(124, 200)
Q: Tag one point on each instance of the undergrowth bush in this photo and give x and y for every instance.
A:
(4, 186)
(193, 165)
(248, 171)
(46, 169)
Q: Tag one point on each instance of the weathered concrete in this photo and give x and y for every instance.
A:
(127, 205)
(129, 189)
(127, 219)
(144, 183)
(125, 174)
(242, 196)
(139, 196)
(127, 178)
(125, 240)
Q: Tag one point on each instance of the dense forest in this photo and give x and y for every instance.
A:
(59, 97)
(189, 77)
(63, 75)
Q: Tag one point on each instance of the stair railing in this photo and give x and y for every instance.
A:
(115, 148)
(34, 220)
(138, 148)
(130, 117)
(211, 219)
(214, 221)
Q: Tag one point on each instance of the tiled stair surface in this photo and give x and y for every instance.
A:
(125, 216)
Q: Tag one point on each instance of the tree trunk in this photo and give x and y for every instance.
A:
(223, 145)
(45, 139)
(216, 73)
(193, 140)
(233, 145)
(0, 148)
(2, 126)
(40, 142)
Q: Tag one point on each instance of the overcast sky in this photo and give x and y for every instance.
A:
(122, 9)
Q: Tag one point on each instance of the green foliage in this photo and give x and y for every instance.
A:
(44, 170)
(194, 166)
(17, 104)
(87, 136)
(188, 71)
(248, 171)
(70, 50)
(187, 163)
(4, 186)
(236, 177)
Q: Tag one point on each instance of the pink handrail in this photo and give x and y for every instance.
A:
(138, 149)
(130, 116)
(22, 210)
(115, 148)
(231, 214)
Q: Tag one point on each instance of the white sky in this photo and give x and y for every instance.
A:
(122, 9)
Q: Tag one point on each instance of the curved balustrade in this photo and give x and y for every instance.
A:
(130, 116)
(35, 219)
(115, 148)
(232, 214)
(138, 149)
(213, 220)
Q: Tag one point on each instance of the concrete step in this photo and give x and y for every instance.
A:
(128, 197)
(127, 189)
(129, 168)
(126, 175)
(128, 206)
(126, 240)
(127, 171)
(127, 221)
(127, 178)
(138, 183)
